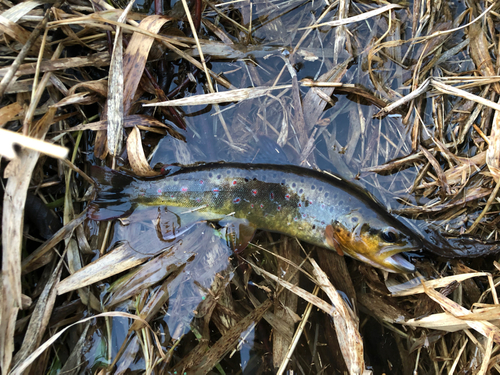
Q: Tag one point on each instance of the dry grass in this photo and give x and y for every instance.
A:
(402, 98)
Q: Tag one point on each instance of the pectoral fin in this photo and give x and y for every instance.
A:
(239, 232)
(331, 241)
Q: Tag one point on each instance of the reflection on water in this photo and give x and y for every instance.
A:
(186, 264)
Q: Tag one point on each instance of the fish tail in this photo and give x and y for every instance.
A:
(111, 201)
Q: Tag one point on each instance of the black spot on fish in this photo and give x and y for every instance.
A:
(314, 227)
(335, 196)
(354, 219)
(320, 188)
(275, 175)
(301, 191)
(218, 177)
(283, 182)
(175, 178)
(331, 209)
(313, 187)
(302, 180)
(210, 175)
(341, 202)
(246, 179)
(294, 185)
(228, 171)
(326, 195)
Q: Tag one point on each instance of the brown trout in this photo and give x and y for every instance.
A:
(317, 207)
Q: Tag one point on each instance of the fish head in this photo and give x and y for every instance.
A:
(376, 239)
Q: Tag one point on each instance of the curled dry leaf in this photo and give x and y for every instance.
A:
(136, 155)
(100, 87)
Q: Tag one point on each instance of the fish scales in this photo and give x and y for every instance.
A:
(316, 207)
(269, 199)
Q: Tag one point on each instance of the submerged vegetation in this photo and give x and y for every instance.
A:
(401, 99)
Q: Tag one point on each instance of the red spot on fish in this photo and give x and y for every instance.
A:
(171, 195)
(299, 204)
(202, 182)
(310, 202)
(272, 196)
(235, 182)
(159, 191)
(279, 207)
(198, 200)
(322, 206)
(304, 216)
(287, 197)
(184, 188)
(261, 206)
(215, 190)
(251, 205)
(236, 200)
(254, 192)
(295, 218)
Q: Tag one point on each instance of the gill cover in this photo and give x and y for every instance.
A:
(380, 248)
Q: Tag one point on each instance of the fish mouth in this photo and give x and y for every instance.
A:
(399, 262)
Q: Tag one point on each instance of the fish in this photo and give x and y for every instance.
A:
(314, 206)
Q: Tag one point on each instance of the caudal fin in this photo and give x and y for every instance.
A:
(112, 200)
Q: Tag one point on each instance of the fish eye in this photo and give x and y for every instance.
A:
(389, 235)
